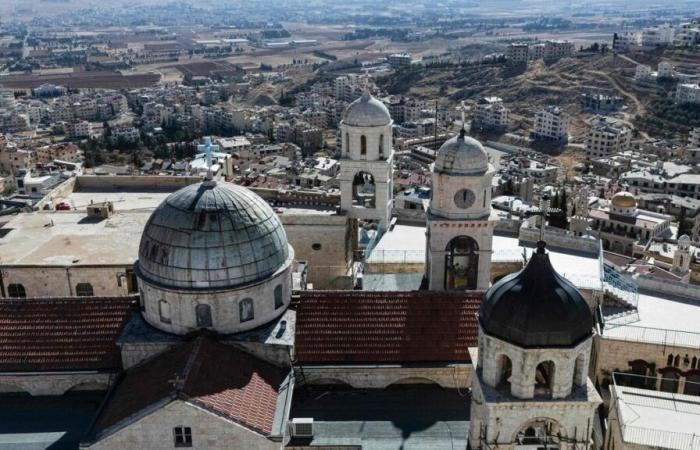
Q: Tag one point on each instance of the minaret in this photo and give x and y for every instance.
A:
(366, 164)
(531, 387)
(682, 258)
(579, 221)
(459, 219)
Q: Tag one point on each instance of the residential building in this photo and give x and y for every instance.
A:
(517, 54)
(399, 60)
(607, 137)
(687, 93)
(551, 123)
(490, 114)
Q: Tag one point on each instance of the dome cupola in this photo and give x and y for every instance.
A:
(536, 307)
(461, 155)
(367, 111)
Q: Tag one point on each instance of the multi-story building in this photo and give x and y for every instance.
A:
(642, 72)
(399, 60)
(551, 123)
(687, 93)
(665, 70)
(554, 50)
(78, 129)
(607, 137)
(688, 35)
(490, 114)
(517, 54)
(694, 137)
(658, 36)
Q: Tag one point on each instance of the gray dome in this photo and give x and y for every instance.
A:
(367, 111)
(462, 155)
(211, 236)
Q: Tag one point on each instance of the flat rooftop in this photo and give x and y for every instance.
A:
(658, 419)
(661, 320)
(122, 200)
(71, 238)
(408, 418)
(46, 422)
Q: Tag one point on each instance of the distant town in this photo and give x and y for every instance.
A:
(328, 225)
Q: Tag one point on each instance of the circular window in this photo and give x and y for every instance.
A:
(464, 198)
(316, 246)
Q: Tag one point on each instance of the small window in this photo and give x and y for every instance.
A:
(278, 296)
(203, 313)
(164, 311)
(246, 309)
(363, 145)
(669, 361)
(316, 246)
(347, 142)
(183, 436)
(16, 291)
(84, 290)
(381, 144)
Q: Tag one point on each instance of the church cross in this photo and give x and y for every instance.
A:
(176, 382)
(207, 148)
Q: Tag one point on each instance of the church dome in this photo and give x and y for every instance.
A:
(367, 111)
(461, 155)
(536, 307)
(211, 236)
(624, 200)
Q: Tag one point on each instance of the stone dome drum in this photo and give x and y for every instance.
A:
(462, 155)
(367, 111)
(536, 307)
(211, 236)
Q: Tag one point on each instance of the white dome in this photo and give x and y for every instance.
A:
(462, 155)
(367, 111)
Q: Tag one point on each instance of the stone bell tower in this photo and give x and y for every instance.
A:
(459, 220)
(531, 385)
(366, 164)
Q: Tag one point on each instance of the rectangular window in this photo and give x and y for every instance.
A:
(183, 436)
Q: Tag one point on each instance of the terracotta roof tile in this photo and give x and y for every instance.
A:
(218, 377)
(55, 334)
(385, 327)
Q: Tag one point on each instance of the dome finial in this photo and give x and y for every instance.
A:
(540, 247)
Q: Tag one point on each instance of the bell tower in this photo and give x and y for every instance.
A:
(366, 164)
(530, 388)
(459, 219)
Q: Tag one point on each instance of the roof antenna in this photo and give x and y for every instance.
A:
(207, 148)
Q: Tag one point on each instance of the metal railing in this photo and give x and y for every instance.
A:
(620, 287)
(660, 438)
(673, 338)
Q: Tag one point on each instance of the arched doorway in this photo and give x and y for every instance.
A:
(203, 313)
(505, 373)
(544, 379)
(692, 383)
(669, 381)
(461, 264)
(364, 191)
(540, 432)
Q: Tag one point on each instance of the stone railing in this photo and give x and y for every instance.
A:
(679, 288)
(560, 238)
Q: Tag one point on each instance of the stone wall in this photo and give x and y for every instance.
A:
(61, 191)
(51, 281)
(324, 242)
(560, 238)
(679, 288)
(380, 377)
(135, 182)
(55, 383)
(154, 431)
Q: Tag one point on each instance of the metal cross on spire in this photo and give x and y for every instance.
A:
(543, 211)
(207, 148)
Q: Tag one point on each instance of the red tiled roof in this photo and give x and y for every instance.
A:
(55, 334)
(385, 327)
(217, 377)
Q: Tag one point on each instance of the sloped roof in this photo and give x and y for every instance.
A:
(386, 327)
(217, 377)
(57, 334)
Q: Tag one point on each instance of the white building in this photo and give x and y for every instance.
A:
(665, 70)
(517, 54)
(643, 72)
(607, 137)
(490, 113)
(694, 137)
(687, 93)
(399, 60)
(551, 123)
(554, 50)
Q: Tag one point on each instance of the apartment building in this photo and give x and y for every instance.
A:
(687, 93)
(551, 123)
(607, 137)
(490, 114)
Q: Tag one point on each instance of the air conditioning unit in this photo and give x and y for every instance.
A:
(302, 427)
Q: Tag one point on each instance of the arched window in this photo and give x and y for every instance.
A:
(245, 309)
(16, 290)
(84, 290)
(279, 301)
(694, 363)
(544, 379)
(677, 361)
(203, 313)
(669, 381)
(363, 190)
(692, 384)
(461, 265)
(669, 361)
(506, 371)
(347, 142)
(363, 145)
(381, 145)
(164, 311)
